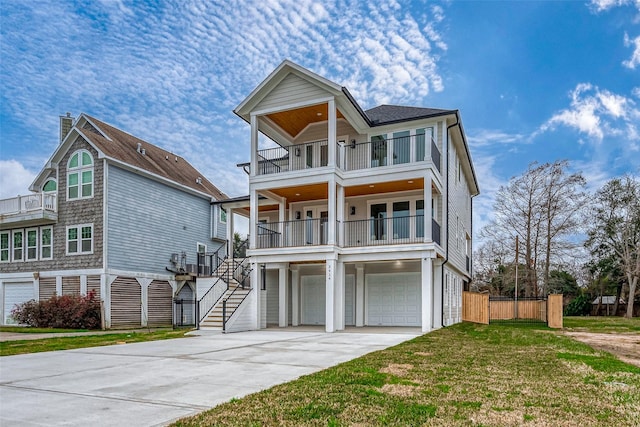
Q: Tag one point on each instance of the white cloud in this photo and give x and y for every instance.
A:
(488, 137)
(634, 61)
(14, 179)
(597, 112)
(602, 5)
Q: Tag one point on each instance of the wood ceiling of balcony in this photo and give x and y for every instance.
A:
(384, 187)
(320, 191)
(294, 121)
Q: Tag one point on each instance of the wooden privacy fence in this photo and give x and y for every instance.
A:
(480, 308)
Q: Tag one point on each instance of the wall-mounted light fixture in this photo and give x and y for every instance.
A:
(353, 143)
(298, 214)
(297, 151)
(353, 210)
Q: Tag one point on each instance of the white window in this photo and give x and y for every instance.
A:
(80, 175)
(4, 246)
(51, 186)
(32, 244)
(46, 243)
(80, 239)
(17, 245)
(201, 248)
(223, 215)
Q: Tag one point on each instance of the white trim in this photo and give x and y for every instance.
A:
(13, 233)
(27, 247)
(79, 170)
(79, 228)
(294, 106)
(8, 248)
(41, 246)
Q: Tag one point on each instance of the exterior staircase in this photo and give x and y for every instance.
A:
(234, 296)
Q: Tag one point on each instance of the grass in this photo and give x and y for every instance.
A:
(602, 324)
(29, 330)
(9, 348)
(466, 375)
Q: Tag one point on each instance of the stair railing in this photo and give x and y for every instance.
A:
(242, 275)
(210, 298)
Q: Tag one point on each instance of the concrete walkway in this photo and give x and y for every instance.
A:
(154, 383)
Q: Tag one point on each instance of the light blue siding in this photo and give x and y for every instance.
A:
(148, 221)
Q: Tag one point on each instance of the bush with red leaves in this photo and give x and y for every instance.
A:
(66, 312)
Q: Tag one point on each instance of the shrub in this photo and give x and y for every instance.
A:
(67, 311)
(580, 306)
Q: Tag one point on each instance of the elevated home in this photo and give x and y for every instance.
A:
(109, 213)
(356, 218)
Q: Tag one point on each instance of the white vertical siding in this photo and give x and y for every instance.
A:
(292, 89)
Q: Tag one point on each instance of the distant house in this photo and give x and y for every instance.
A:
(606, 304)
(109, 213)
(356, 218)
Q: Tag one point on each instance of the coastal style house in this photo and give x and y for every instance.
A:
(356, 218)
(112, 214)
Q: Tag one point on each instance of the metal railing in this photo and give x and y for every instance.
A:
(302, 232)
(29, 203)
(209, 262)
(384, 231)
(294, 157)
(389, 151)
(351, 156)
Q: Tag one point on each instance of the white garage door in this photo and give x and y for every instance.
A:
(313, 296)
(393, 299)
(16, 293)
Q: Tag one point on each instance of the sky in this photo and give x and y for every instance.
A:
(533, 80)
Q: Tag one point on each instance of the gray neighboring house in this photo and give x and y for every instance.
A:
(109, 213)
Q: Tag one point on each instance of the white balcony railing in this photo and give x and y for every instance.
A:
(31, 203)
(350, 156)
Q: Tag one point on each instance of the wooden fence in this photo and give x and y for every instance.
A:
(478, 308)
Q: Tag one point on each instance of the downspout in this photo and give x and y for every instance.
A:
(446, 258)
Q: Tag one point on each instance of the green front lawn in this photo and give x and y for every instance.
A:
(30, 330)
(602, 324)
(467, 375)
(9, 348)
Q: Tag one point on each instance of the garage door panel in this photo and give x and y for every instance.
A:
(393, 299)
(16, 294)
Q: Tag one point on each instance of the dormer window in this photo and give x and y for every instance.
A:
(51, 186)
(80, 175)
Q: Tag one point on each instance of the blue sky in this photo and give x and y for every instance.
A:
(534, 81)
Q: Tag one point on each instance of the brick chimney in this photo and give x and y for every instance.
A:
(66, 123)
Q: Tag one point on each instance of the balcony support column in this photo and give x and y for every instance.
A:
(331, 238)
(330, 296)
(253, 217)
(254, 146)
(340, 215)
(282, 207)
(332, 129)
(427, 293)
(437, 293)
(428, 210)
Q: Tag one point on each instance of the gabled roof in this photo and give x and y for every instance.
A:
(385, 114)
(121, 147)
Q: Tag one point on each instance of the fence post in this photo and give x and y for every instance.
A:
(554, 311)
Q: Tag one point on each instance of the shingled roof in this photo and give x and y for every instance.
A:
(385, 114)
(123, 147)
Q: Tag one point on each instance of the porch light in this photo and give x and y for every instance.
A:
(297, 214)
(297, 152)
(353, 143)
(353, 210)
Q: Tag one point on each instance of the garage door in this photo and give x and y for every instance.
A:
(313, 296)
(15, 294)
(393, 299)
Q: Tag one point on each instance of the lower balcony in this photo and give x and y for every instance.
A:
(26, 211)
(368, 232)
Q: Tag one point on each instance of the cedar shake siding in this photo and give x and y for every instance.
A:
(72, 213)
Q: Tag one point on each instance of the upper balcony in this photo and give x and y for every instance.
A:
(28, 211)
(351, 156)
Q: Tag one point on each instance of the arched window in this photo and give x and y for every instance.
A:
(50, 186)
(80, 175)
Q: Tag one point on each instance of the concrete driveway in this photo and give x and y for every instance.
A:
(154, 383)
